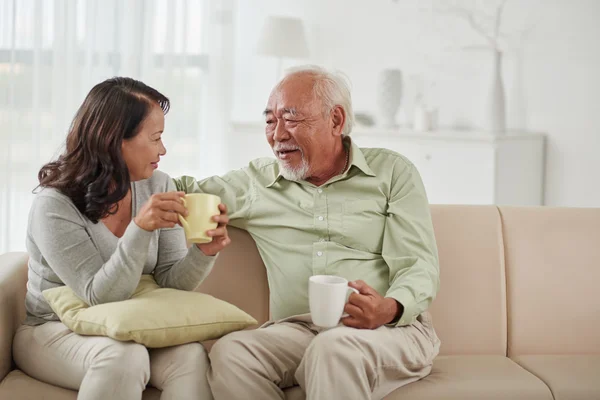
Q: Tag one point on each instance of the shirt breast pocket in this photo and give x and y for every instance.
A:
(363, 223)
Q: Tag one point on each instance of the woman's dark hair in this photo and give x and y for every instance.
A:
(92, 171)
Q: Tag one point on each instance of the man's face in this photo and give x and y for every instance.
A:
(297, 129)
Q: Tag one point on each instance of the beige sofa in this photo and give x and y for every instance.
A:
(517, 312)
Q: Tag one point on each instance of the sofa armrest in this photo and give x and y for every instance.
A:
(13, 286)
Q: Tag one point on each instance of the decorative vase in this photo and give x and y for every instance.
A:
(425, 118)
(421, 119)
(495, 118)
(389, 96)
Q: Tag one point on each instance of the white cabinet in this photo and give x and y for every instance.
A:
(464, 167)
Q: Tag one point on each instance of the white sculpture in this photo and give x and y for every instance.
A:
(389, 97)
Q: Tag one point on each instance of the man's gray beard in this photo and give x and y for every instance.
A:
(294, 174)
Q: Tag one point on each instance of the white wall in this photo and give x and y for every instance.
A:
(552, 75)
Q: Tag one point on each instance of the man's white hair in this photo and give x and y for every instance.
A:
(332, 88)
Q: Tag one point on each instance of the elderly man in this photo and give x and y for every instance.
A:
(326, 206)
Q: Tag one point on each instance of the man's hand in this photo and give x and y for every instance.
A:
(219, 235)
(369, 309)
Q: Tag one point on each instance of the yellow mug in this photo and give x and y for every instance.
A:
(201, 208)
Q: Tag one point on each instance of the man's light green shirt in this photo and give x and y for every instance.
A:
(371, 223)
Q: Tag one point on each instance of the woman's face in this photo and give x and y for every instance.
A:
(143, 151)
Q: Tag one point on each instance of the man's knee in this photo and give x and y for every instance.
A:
(229, 351)
(336, 344)
(336, 356)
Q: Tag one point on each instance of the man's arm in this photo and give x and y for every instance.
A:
(236, 190)
(409, 246)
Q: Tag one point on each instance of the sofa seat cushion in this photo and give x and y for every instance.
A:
(575, 377)
(475, 378)
(467, 378)
(19, 386)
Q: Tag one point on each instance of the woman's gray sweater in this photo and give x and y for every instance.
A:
(66, 248)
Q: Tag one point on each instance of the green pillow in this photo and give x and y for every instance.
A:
(153, 316)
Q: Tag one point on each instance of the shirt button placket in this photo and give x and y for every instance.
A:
(320, 246)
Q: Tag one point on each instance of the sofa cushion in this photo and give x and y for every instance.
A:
(469, 312)
(153, 316)
(19, 386)
(569, 377)
(475, 378)
(552, 274)
(467, 378)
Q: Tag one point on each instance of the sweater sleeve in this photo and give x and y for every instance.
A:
(179, 267)
(59, 231)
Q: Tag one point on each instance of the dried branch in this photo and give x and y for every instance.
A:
(485, 21)
(499, 11)
(469, 16)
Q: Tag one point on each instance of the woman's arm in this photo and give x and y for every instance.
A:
(179, 267)
(59, 231)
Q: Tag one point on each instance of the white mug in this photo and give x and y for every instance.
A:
(327, 295)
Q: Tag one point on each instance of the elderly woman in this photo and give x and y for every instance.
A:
(103, 217)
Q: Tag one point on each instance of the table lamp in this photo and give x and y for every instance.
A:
(282, 37)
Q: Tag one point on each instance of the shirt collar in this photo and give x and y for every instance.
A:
(357, 159)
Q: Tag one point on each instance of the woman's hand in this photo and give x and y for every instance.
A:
(219, 235)
(161, 211)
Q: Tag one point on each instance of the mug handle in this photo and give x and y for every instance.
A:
(181, 219)
(355, 291)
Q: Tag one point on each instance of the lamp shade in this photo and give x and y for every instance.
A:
(283, 37)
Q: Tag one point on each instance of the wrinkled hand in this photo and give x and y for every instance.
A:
(160, 211)
(219, 235)
(369, 309)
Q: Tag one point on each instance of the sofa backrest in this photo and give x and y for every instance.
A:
(544, 303)
(553, 276)
(239, 276)
(469, 313)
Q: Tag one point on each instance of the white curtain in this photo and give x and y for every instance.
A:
(52, 52)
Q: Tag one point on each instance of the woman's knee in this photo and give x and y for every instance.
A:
(193, 355)
(191, 351)
(125, 358)
(185, 364)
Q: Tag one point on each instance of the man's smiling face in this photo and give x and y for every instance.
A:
(297, 127)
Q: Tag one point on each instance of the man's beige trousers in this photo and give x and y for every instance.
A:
(338, 363)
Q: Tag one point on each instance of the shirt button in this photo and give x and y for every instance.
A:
(321, 218)
(319, 190)
(319, 253)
